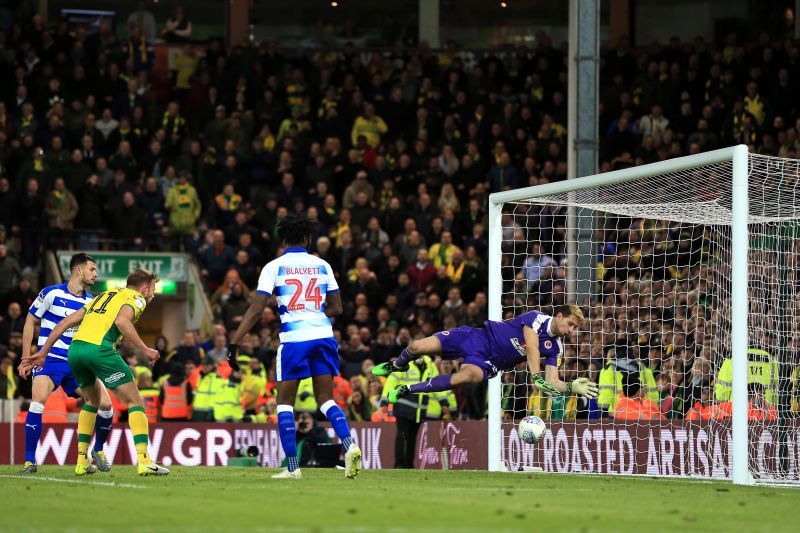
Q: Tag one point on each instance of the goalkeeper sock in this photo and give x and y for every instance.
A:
(86, 421)
(33, 430)
(288, 435)
(436, 384)
(137, 420)
(336, 416)
(102, 428)
(404, 358)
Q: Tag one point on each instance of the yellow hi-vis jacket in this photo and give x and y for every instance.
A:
(435, 407)
(762, 368)
(227, 403)
(207, 388)
(305, 402)
(610, 384)
(415, 406)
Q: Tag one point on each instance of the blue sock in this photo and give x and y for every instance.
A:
(436, 384)
(33, 430)
(404, 358)
(102, 428)
(338, 420)
(288, 434)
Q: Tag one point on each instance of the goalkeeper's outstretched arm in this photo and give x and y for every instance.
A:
(551, 384)
(580, 386)
(534, 361)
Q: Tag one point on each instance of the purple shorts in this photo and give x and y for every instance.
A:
(469, 344)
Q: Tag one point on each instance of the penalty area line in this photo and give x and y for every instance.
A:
(75, 481)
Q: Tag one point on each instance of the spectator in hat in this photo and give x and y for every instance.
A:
(358, 185)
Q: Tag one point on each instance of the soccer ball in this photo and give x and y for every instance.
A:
(531, 429)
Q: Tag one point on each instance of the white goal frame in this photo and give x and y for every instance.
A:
(738, 156)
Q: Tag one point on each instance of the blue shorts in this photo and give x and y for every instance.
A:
(59, 372)
(469, 344)
(300, 360)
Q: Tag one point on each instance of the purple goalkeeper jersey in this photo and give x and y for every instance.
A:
(507, 341)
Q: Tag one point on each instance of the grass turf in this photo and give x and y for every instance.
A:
(246, 499)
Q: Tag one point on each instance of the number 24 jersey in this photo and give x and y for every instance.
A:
(299, 282)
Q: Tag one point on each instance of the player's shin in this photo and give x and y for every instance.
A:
(86, 420)
(288, 435)
(439, 383)
(338, 420)
(137, 420)
(103, 428)
(404, 358)
(33, 430)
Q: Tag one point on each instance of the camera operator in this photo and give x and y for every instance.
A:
(309, 435)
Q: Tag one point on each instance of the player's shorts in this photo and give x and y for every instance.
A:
(90, 361)
(300, 360)
(469, 344)
(59, 372)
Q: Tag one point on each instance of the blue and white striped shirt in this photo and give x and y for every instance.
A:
(51, 306)
(300, 282)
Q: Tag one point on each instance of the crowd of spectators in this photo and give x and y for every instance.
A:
(394, 153)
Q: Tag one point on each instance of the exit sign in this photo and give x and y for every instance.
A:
(118, 265)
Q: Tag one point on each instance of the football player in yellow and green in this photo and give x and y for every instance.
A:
(93, 355)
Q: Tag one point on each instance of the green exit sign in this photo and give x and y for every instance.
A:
(165, 287)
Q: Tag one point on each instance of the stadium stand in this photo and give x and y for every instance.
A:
(394, 153)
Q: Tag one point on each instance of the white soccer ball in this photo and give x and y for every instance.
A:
(531, 429)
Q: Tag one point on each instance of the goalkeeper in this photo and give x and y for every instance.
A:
(495, 347)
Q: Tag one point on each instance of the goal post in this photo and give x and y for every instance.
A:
(705, 210)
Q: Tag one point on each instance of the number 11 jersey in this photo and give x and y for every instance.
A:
(97, 326)
(299, 282)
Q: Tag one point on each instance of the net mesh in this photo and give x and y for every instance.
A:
(659, 272)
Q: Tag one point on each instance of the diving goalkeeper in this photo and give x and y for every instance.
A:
(495, 347)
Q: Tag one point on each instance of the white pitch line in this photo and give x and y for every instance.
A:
(76, 481)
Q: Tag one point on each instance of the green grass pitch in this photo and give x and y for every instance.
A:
(246, 499)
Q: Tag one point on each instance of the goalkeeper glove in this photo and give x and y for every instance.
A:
(583, 387)
(545, 386)
(233, 351)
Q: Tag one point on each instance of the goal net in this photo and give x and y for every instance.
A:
(691, 329)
